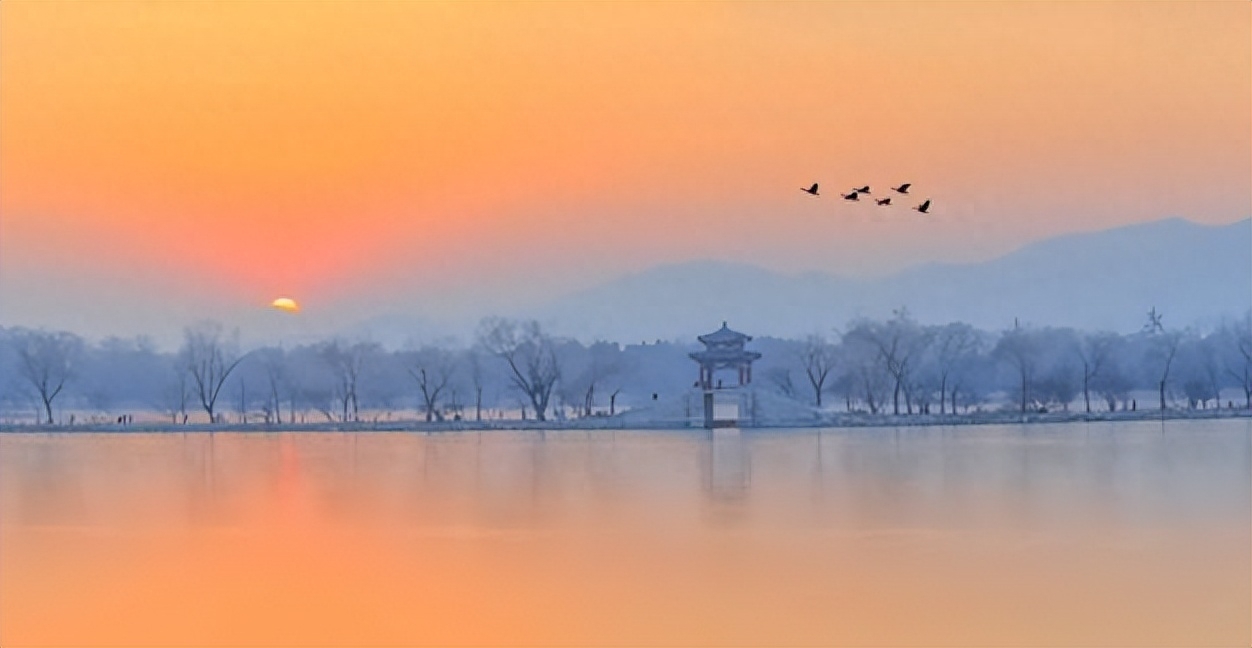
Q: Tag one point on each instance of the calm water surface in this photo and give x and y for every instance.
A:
(1081, 534)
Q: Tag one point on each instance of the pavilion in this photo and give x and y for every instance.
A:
(724, 350)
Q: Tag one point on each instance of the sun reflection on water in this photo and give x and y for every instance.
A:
(1073, 535)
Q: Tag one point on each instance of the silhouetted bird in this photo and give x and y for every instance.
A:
(864, 189)
(811, 190)
(923, 207)
(852, 196)
(904, 188)
(884, 202)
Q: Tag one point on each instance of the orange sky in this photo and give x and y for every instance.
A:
(245, 150)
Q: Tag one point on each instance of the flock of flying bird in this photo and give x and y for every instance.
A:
(855, 194)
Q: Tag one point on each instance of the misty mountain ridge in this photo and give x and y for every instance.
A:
(1107, 280)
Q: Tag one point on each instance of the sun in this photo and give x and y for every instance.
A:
(286, 304)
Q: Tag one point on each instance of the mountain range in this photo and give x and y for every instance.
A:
(1192, 273)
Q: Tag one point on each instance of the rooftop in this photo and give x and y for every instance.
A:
(724, 335)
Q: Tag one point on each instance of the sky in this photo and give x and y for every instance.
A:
(162, 162)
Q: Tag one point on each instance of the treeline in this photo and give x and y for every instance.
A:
(899, 366)
(518, 369)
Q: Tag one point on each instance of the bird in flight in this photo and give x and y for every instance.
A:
(923, 207)
(852, 196)
(885, 202)
(811, 190)
(864, 189)
(904, 188)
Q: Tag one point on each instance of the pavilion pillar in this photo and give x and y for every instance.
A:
(708, 409)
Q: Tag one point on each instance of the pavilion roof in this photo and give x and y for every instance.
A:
(724, 355)
(724, 335)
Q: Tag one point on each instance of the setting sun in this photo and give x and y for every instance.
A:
(286, 304)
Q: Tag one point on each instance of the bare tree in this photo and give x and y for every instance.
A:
(48, 361)
(175, 396)
(477, 380)
(1095, 351)
(274, 362)
(781, 377)
(818, 357)
(1237, 337)
(897, 341)
(210, 357)
(346, 362)
(530, 354)
(1164, 350)
(865, 372)
(1059, 386)
(1020, 348)
(1113, 385)
(613, 400)
(602, 364)
(432, 368)
(954, 344)
(1199, 368)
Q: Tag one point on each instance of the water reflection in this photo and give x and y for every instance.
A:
(726, 467)
(1056, 535)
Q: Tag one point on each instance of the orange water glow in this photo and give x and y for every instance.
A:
(1055, 535)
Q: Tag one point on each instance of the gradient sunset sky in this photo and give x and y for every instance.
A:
(163, 161)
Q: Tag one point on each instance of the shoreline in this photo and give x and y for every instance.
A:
(841, 420)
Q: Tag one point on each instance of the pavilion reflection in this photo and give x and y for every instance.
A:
(726, 466)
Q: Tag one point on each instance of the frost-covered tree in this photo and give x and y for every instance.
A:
(47, 361)
(865, 370)
(1061, 371)
(1096, 353)
(1199, 368)
(897, 342)
(1019, 348)
(1237, 353)
(953, 346)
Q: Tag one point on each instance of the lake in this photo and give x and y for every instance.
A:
(1060, 535)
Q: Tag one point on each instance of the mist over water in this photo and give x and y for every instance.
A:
(1080, 534)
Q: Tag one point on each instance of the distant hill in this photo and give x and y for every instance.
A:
(1194, 274)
